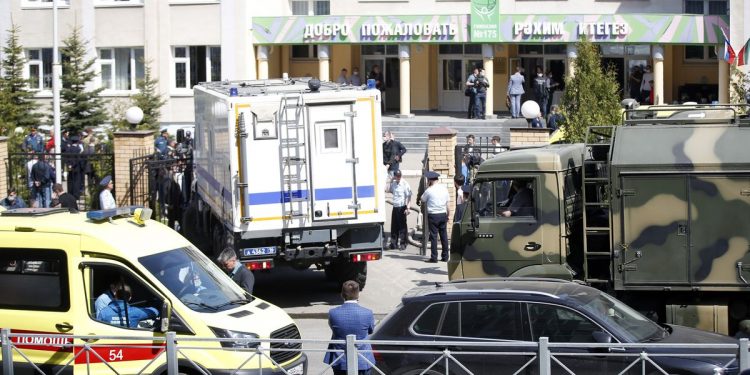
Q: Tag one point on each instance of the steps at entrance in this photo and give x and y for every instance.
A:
(413, 132)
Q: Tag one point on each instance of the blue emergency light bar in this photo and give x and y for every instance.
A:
(99, 215)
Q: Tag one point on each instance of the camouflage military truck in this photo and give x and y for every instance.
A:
(656, 211)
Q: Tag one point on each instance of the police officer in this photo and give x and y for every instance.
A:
(435, 201)
(119, 313)
(161, 144)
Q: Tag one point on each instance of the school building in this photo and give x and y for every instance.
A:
(425, 48)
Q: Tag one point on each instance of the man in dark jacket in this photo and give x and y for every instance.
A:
(241, 275)
(41, 177)
(393, 151)
(64, 200)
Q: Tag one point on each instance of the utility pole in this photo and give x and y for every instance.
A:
(56, 75)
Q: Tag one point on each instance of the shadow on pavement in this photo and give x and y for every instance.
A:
(287, 288)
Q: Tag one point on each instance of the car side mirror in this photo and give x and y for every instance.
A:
(164, 314)
(602, 337)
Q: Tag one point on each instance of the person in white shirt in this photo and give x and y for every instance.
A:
(435, 201)
(401, 191)
(342, 79)
(106, 200)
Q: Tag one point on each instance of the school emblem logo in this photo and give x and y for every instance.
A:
(484, 8)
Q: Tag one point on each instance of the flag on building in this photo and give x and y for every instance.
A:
(729, 54)
(743, 57)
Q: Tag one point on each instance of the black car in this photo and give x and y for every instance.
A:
(521, 310)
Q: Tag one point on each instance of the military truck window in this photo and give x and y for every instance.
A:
(507, 197)
(560, 324)
(117, 298)
(491, 320)
(34, 279)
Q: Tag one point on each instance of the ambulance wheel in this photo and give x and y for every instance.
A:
(353, 271)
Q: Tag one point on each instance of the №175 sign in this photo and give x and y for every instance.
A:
(485, 20)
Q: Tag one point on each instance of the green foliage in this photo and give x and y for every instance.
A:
(592, 94)
(148, 99)
(80, 108)
(739, 83)
(17, 107)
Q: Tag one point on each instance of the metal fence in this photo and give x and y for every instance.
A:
(161, 184)
(468, 157)
(81, 173)
(173, 355)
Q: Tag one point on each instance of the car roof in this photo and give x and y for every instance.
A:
(128, 239)
(502, 287)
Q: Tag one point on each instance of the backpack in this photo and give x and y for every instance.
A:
(540, 87)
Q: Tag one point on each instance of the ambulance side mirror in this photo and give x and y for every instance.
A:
(165, 314)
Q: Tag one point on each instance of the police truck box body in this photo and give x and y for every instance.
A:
(289, 173)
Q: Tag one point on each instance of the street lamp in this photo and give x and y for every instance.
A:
(134, 116)
(56, 75)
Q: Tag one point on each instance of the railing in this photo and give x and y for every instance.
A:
(424, 357)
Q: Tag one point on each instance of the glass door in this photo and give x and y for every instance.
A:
(453, 75)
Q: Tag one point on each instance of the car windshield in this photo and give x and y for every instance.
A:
(626, 321)
(195, 280)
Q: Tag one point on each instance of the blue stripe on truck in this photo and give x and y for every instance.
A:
(275, 197)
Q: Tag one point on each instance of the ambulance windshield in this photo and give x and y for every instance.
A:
(195, 280)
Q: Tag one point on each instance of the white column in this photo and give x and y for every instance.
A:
(237, 50)
(262, 56)
(404, 57)
(570, 62)
(488, 54)
(723, 77)
(324, 62)
(658, 56)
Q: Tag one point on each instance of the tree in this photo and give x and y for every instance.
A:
(80, 108)
(592, 94)
(148, 99)
(17, 107)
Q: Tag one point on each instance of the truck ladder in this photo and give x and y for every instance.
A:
(292, 147)
(597, 224)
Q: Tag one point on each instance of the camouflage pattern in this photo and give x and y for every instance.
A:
(679, 196)
(497, 247)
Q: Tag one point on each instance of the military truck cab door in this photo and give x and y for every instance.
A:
(141, 320)
(36, 298)
(504, 234)
(332, 161)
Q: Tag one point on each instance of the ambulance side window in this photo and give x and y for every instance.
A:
(118, 298)
(34, 279)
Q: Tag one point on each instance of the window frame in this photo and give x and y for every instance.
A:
(36, 4)
(311, 7)
(118, 3)
(525, 218)
(112, 62)
(444, 313)
(40, 90)
(527, 319)
(706, 59)
(706, 5)
(312, 52)
(42, 254)
(188, 61)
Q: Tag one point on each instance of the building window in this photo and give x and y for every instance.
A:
(539, 49)
(195, 64)
(711, 7)
(120, 67)
(460, 49)
(700, 53)
(304, 51)
(43, 3)
(39, 68)
(311, 7)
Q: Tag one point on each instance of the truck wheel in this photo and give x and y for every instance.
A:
(353, 271)
(330, 271)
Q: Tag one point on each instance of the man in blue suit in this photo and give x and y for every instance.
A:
(350, 319)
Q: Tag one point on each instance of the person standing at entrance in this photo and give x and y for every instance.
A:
(541, 90)
(515, 90)
(377, 75)
(634, 81)
(435, 201)
(471, 92)
(480, 101)
(646, 86)
(401, 191)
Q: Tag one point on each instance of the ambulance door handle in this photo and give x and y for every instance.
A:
(63, 327)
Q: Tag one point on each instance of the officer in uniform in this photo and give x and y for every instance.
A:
(435, 201)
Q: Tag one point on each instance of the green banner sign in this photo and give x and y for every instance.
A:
(360, 29)
(485, 20)
(611, 28)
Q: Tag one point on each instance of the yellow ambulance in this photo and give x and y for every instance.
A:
(64, 273)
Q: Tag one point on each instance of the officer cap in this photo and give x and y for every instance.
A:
(105, 181)
(432, 175)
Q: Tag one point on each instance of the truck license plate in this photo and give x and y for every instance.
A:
(297, 370)
(255, 251)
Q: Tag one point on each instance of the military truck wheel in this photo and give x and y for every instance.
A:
(353, 271)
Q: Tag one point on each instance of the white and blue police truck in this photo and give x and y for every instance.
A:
(289, 172)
